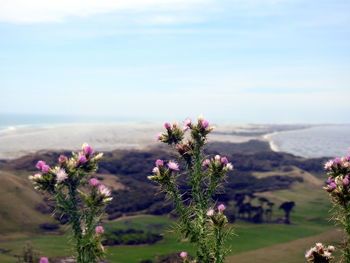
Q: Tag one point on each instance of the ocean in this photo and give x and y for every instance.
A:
(318, 141)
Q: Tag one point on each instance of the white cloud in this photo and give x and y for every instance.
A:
(36, 11)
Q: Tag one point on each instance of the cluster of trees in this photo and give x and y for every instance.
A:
(130, 237)
(263, 212)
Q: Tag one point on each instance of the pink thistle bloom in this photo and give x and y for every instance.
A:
(82, 158)
(99, 230)
(155, 170)
(87, 149)
(210, 212)
(62, 159)
(173, 166)
(328, 165)
(61, 175)
(332, 186)
(204, 124)
(37, 176)
(185, 128)
(229, 166)
(221, 207)
(224, 160)
(188, 122)
(45, 168)
(167, 125)
(103, 190)
(346, 180)
(330, 248)
(337, 160)
(206, 162)
(159, 163)
(330, 179)
(159, 137)
(44, 260)
(40, 164)
(183, 254)
(93, 182)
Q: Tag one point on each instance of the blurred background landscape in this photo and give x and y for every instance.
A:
(270, 75)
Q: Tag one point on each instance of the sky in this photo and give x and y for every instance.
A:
(241, 61)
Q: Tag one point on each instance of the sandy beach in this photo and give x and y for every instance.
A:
(18, 141)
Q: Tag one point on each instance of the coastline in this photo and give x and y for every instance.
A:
(273, 145)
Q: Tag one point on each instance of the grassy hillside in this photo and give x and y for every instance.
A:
(17, 205)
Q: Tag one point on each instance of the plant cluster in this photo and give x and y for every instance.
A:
(199, 222)
(78, 196)
(338, 187)
(319, 253)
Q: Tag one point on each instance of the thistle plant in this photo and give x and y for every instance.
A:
(80, 197)
(338, 188)
(203, 225)
(319, 253)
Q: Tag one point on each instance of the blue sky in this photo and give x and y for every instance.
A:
(256, 61)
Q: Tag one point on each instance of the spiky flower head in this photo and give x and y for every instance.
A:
(99, 230)
(173, 166)
(44, 260)
(61, 175)
(93, 182)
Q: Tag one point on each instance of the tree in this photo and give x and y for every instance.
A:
(287, 207)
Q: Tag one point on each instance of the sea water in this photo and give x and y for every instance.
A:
(317, 141)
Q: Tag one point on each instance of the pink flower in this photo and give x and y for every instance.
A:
(183, 254)
(104, 190)
(221, 207)
(44, 260)
(40, 164)
(224, 160)
(167, 125)
(185, 128)
(173, 166)
(62, 159)
(99, 230)
(328, 165)
(210, 212)
(188, 122)
(229, 166)
(45, 168)
(332, 186)
(206, 162)
(159, 137)
(82, 158)
(87, 149)
(346, 180)
(93, 182)
(204, 124)
(159, 163)
(61, 175)
(37, 176)
(155, 170)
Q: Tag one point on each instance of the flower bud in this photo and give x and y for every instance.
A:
(62, 159)
(167, 125)
(204, 124)
(99, 230)
(173, 166)
(206, 162)
(224, 160)
(40, 164)
(183, 255)
(346, 180)
(87, 149)
(217, 157)
(159, 163)
(44, 260)
(82, 159)
(221, 207)
(155, 170)
(93, 182)
(210, 212)
(45, 168)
